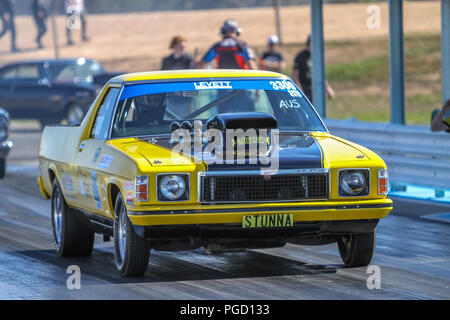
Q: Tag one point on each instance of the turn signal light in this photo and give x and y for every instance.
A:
(383, 182)
(141, 188)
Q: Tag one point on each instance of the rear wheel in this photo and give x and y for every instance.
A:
(357, 250)
(2, 168)
(131, 252)
(73, 238)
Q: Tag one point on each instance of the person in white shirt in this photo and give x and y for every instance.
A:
(76, 19)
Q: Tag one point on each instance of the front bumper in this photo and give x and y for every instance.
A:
(233, 214)
(5, 147)
(234, 232)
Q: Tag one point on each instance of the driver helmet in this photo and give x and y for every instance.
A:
(230, 26)
(151, 106)
(273, 39)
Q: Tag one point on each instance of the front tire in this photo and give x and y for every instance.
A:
(73, 238)
(131, 252)
(357, 250)
(2, 168)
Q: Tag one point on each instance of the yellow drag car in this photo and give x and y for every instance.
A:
(225, 160)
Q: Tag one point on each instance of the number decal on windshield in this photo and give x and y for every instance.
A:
(286, 85)
(282, 85)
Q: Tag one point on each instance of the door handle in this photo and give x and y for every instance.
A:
(81, 147)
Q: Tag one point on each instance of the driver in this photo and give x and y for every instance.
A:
(150, 109)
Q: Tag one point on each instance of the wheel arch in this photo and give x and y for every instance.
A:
(52, 176)
(113, 192)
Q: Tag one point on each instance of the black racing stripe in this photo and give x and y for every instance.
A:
(321, 151)
(302, 208)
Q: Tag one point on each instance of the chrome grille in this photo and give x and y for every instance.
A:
(263, 188)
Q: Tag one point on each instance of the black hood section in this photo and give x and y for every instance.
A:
(298, 151)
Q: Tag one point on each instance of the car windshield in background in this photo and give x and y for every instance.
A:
(81, 71)
(148, 109)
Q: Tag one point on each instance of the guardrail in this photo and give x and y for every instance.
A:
(413, 154)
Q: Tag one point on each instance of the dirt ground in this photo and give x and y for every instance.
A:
(136, 42)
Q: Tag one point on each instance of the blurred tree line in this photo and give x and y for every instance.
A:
(119, 6)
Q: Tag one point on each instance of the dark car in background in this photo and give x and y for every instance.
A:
(51, 90)
(5, 144)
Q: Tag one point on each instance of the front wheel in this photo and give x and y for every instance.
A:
(357, 250)
(73, 238)
(131, 252)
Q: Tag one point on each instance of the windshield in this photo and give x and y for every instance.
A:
(149, 109)
(81, 71)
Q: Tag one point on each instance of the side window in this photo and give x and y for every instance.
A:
(7, 76)
(105, 114)
(28, 74)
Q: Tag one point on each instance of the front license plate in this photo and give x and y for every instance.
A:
(268, 221)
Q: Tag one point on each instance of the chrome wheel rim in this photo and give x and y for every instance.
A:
(57, 217)
(75, 115)
(122, 233)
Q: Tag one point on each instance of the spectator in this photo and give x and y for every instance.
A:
(75, 10)
(39, 11)
(272, 59)
(439, 116)
(178, 60)
(302, 72)
(230, 52)
(7, 17)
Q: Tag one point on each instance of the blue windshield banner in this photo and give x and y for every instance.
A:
(137, 90)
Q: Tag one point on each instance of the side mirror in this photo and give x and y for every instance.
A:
(446, 119)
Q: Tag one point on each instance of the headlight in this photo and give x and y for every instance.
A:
(172, 187)
(353, 182)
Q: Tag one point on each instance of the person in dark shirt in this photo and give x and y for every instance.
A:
(40, 14)
(7, 17)
(178, 60)
(302, 72)
(230, 52)
(272, 59)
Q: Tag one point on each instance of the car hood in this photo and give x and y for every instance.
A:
(295, 151)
